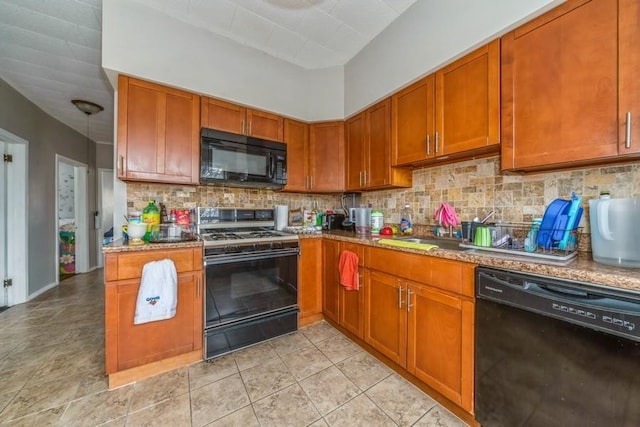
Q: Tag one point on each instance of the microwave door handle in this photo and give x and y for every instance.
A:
(271, 166)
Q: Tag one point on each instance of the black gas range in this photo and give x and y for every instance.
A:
(251, 278)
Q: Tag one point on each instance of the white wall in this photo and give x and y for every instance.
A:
(143, 42)
(428, 35)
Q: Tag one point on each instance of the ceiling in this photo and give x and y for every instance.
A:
(51, 50)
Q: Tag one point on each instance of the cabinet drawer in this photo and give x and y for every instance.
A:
(122, 266)
(454, 276)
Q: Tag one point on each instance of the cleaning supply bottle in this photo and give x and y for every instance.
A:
(406, 220)
(377, 221)
(150, 216)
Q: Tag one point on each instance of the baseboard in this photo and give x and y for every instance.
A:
(128, 376)
(42, 291)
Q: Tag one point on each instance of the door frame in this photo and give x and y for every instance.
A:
(18, 231)
(81, 213)
(99, 225)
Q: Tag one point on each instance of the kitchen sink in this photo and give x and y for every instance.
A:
(450, 244)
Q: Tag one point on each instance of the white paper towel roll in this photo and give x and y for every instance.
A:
(282, 216)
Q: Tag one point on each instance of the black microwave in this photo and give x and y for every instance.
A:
(242, 161)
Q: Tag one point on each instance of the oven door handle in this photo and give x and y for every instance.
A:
(225, 259)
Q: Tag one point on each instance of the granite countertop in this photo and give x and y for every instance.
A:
(124, 246)
(582, 268)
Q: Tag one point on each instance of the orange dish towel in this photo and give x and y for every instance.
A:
(348, 267)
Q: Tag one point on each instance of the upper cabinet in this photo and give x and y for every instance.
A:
(453, 114)
(570, 87)
(234, 118)
(296, 136)
(368, 151)
(326, 157)
(158, 133)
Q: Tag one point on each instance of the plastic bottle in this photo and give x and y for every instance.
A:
(605, 195)
(406, 220)
(530, 242)
(150, 216)
(377, 221)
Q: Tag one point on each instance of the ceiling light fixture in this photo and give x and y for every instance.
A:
(87, 107)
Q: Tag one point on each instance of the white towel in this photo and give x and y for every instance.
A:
(158, 293)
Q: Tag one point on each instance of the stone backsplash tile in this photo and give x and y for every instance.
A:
(474, 188)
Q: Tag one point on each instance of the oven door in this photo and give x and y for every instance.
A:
(243, 286)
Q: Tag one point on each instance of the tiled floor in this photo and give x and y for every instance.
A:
(52, 363)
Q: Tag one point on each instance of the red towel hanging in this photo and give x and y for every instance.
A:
(348, 267)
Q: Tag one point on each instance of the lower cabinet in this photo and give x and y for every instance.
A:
(344, 307)
(128, 345)
(310, 281)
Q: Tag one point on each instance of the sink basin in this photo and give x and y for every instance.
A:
(450, 244)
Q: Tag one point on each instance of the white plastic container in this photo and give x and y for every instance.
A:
(615, 234)
(377, 221)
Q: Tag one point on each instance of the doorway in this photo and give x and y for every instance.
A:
(71, 231)
(13, 220)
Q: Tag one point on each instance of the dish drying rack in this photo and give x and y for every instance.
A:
(510, 238)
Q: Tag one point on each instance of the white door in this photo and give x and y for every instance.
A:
(13, 219)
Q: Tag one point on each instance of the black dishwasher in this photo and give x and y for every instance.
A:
(553, 352)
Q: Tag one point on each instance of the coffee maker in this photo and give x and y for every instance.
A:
(350, 201)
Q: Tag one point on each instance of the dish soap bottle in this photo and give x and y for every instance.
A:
(406, 220)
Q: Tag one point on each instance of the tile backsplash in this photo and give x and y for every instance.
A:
(473, 187)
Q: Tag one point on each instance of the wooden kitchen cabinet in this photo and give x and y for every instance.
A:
(296, 136)
(351, 302)
(135, 351)
(158, 133)
(229, 117)
(310, 281)
(468, 103)
(331, 280)
(419, 312)
(326, 157)
(452, 114)
(368, 151)
(569, 78)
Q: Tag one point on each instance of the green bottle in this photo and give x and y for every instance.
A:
(150, 216)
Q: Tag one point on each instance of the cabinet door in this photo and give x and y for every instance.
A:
(310, 280)
(265, 125)
(385, 325)
(222, 115)
(468, 102)
(560, 87)
(378, 153)
(440, 343)
(296, 136)
(158, 133)
(629, 84)
(326, 157)
(352, 302)
(132, 345)
(355, 141)
(412, 123)
(331, 280)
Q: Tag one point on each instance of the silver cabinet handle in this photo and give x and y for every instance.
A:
(409, 305)
(311, 182)
(198, 288)
(400, 291)
(243, 127)
(627, 142)
(360, 178)
(365, 178)
(428, 144)
(121, 165)
(250, 123)
(436, 143)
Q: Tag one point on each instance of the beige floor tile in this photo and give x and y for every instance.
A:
(319, 332)
(266, 378)
(161, 387)
(49, 417)
(5, 398)
(204, 373)
(38, 397)
(364, 370)
(244, 417)
(98, 408)
(329, 389)
(439, 417)
(290, 343)
(288, 407)
(218, 399)
(254, 355)
(399, 399)
(320, 423)
(172, 412)
(306, 362)
(338, 348)
(360, 411)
